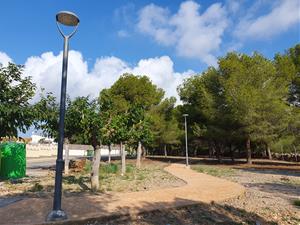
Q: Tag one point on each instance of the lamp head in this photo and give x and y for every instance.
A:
(185, 115)
(67, 18)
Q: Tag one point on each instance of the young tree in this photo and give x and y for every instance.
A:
(134, 95)
(16, 113)
(85, 113)
(114, 114)
(82, 125)
(119, 127)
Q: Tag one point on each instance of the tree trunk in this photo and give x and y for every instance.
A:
(66, 159)
(109, 153)
(248, 147)
(123, 159)
(143, 152)
(219, 152)
(264, 154)
(219, 156)
(296, 157)
(195, 152)
(95, 169)
(210, 152)
(138, 155)
(269, 152)
(232, 153)
(165, 149)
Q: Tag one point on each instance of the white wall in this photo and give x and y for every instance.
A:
(49, 150)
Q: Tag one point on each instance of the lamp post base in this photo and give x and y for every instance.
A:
(56, 215)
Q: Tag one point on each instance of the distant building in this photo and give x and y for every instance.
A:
(37, 139)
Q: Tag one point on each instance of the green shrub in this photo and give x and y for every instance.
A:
(297, 202)
(36, 187)
(214, 171)
(109, 168)
(87, 166)
(129, 168)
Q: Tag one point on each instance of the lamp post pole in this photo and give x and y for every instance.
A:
(68, 19)
(186, 141)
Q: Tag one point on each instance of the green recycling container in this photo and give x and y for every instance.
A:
(0, 158)
(13, 160)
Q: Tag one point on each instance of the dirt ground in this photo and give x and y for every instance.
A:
(271, 188)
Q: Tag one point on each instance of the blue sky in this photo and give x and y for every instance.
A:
(167, 40)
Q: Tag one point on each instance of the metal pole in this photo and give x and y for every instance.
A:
(186, 143)
(57, 213)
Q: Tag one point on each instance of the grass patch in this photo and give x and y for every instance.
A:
(37, 187)
(107, 169)
(87, 167)
(296, 202)
(292, 182)
(214, 171)
(148, 177)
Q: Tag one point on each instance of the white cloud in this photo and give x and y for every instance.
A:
(161, 72)
(46, 73)
(233, 6)
(283, 15)
(4, 59)
(123, 34)
(194, 35)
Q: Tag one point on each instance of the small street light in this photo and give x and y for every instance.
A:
(68, 19)
(186, 143)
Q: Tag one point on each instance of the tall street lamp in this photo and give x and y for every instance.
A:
(186, 143)
(67, 19)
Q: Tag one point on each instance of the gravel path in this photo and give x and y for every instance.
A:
(269, 193)
(199, 188)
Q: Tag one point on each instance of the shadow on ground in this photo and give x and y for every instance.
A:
(101, 208)
(195, 213)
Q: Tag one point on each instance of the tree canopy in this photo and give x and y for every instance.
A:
(16, 92)
(248, 103)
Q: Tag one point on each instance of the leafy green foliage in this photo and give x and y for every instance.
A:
(248, 100)
(245, 98)
(16, 91)
(47, 115)
(297, 203)
(124, 108)
(83, 121)
(163, 123)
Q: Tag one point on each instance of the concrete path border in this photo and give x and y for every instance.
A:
(199, 188)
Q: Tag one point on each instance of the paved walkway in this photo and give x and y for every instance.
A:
(199, 188)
